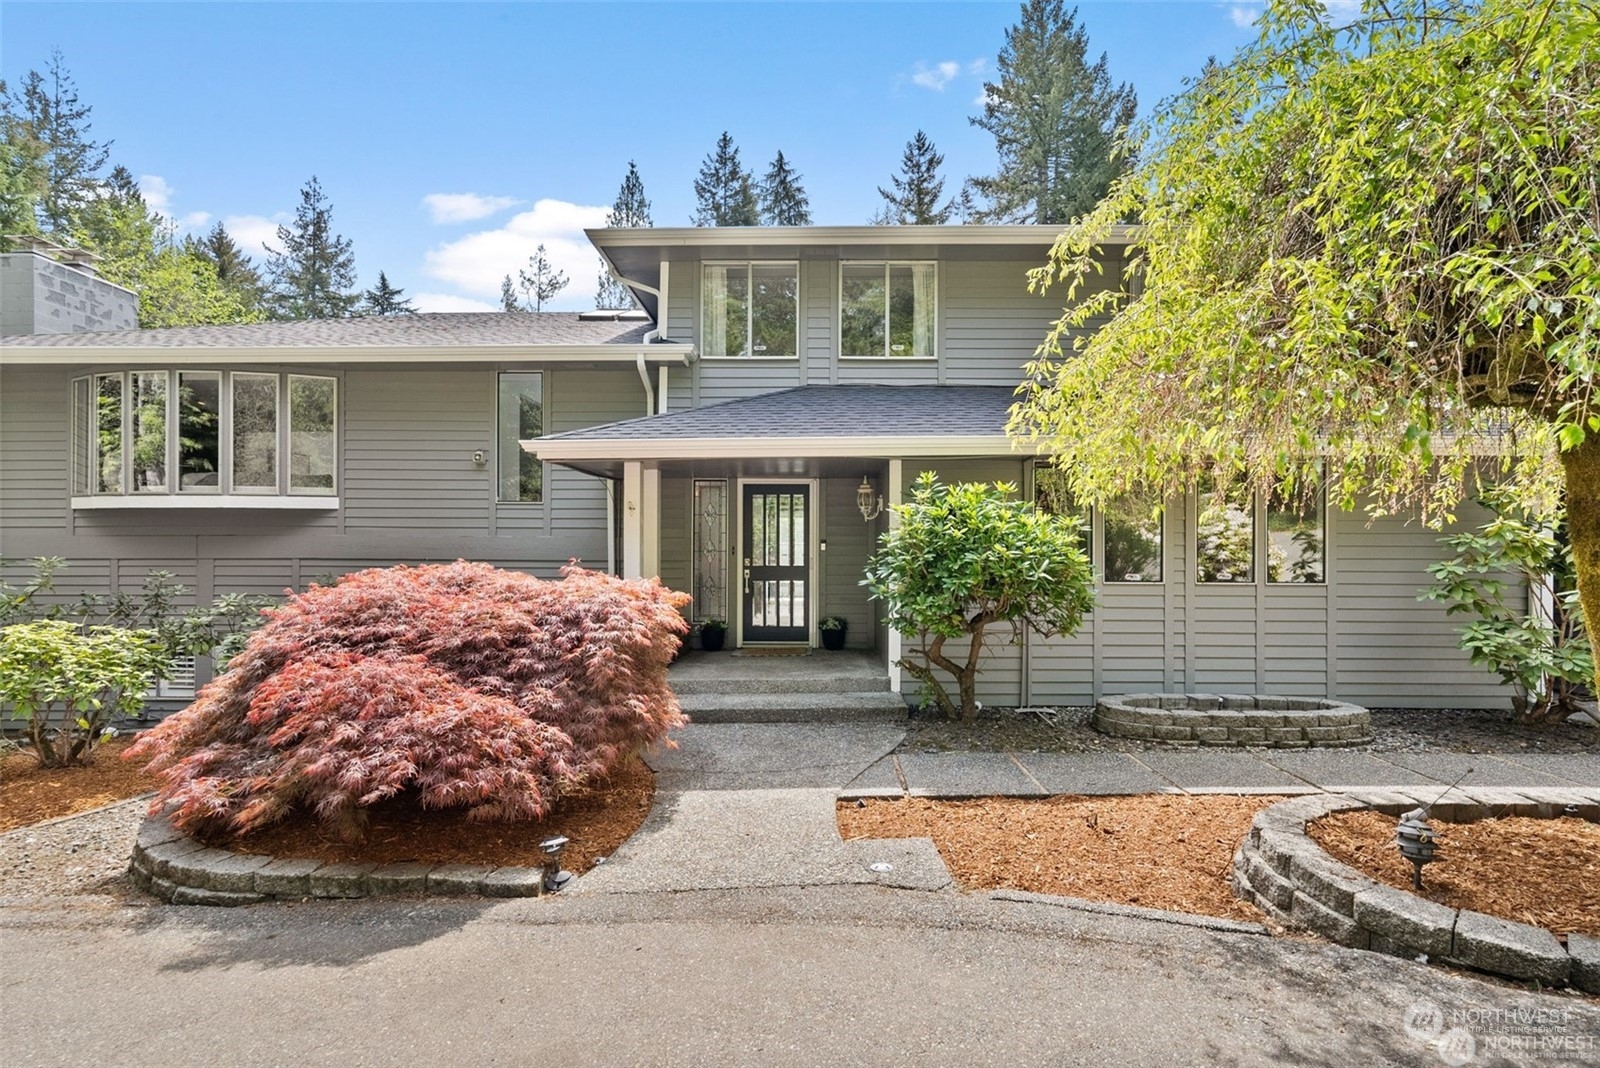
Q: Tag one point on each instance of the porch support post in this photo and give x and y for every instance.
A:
(650, 525)
(632, 519)
(894, 491)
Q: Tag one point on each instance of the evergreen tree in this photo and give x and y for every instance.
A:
(540, 281)
(314, 275)
(725, 193)
(1055, 120)
(385, 299)
(917, 188)
(508, 295)
(783, 198)
(234, 267)
(631, 208)
(51, 165)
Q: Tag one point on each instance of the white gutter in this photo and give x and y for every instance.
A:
(745, 447)
(644, 376)
(187, 355)
(710, 236)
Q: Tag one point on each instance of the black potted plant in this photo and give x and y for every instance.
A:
(833, 632)
(713, 632)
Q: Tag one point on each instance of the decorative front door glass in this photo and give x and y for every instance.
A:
(776, 563)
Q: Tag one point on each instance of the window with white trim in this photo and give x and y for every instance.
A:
(151, 433)
(887, 309)
(521, 417)
(1132, 529)
(750, 309)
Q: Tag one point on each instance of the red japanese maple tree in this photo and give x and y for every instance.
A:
(465, 685)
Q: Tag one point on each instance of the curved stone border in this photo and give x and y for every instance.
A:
(178, 869)
(1291, 878)
(1226, 719)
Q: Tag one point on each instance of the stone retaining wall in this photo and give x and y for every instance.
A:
(1293, 880)
(1237, 720)
(176, 868)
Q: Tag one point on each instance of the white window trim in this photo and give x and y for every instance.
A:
(544, 475)
(286, 482)
(1260, 547)
(281, 399)
(750, 311)
(886, 356)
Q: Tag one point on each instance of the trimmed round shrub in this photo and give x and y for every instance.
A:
(461, 684)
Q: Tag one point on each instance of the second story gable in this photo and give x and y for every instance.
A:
(771, 308)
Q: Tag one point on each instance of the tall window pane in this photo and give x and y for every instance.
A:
(149, 431)
(108, 401)
(83, 430)
(313, 408)
(521, 416)
(199, 446)
(775, 293)
(711, 549)
(862, 310)
(1051, 497)
(725, 310)
(1225, 536)
(255, 433)
(1296, 537)
(1133, 540)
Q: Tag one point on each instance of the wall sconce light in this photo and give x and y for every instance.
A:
(871, 507)
(479, 458)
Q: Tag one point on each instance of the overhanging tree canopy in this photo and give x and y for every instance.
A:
(1374, 243)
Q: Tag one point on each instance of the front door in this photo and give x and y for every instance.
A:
(777, 562)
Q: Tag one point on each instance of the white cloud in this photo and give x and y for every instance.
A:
(977, 66)
(1244, 15)
(158, 193)
(249, 232)
(465, 207)
(449, 302)
(476, 263)
(937, 76)
(1342, 10)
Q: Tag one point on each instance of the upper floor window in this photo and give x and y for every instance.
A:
(750, 309)
(521, 408)
(886, 309)
(203, 432)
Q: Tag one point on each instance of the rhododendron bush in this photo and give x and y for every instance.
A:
(461, 684)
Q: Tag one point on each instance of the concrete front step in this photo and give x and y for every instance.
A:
(876, 706)
(753, 684)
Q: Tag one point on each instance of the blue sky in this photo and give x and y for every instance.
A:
(452, 139)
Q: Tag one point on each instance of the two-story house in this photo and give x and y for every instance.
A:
(737, 438)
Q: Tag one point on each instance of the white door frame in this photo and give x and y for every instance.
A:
(814, 537)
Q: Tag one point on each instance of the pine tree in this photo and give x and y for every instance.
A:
(540, 281)
(314, 275)
(631, 208)
(1055, 120)
(783, 198)
(917, 188)
(234, 267)
(508, 296)
(52, 166)
(725, 193)
(385, 299)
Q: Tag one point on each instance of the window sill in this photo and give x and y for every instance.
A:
(187, 501)
(888, 359)
(750, 359)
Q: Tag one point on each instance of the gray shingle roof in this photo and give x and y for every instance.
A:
(426, 330)
(825, 412)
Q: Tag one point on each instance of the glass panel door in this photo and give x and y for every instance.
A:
(776, 563)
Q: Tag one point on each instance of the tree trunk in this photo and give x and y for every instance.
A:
(1582, 466)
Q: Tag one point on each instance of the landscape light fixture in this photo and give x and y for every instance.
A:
(870, 506)
(1415, 837)
(554, 878)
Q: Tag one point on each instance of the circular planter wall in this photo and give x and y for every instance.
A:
(1288, 876)
(1237, 720)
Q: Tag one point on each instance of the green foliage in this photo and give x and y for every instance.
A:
(313, 275)
(68, 684)
(724, 192)
(385, 299)
(508, 296)
(235, 270)
(1515, 575)
(783, 198)
(540, 281)
(918, 188)
(833, 623)
(631, 208)
(966, 557)
(1370, 241)
(50, 167)
(1055, 118)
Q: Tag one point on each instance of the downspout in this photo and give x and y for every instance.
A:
(644, 376)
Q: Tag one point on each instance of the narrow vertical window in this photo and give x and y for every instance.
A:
(1225, 536)
(1051, 497)
(313, 426)
(521, 417)
(83, 431)
(774, 310)
(862, 310)
(1297, 536)
(108, 423)
(199, 427)
(149, 397)
(255, 432)
(1133, 540)
(711, 549)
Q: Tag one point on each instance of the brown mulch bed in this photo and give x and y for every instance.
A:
(30, 793)
(1162, 851)
(1542, 872)
(597, 822)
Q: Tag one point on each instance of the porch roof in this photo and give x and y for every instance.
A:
(806, 421)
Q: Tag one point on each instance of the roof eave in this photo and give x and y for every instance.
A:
(653, 352)
(750, 447)
(699, 236)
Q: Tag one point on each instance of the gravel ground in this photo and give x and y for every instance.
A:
(1394, 730)
(77, 856)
